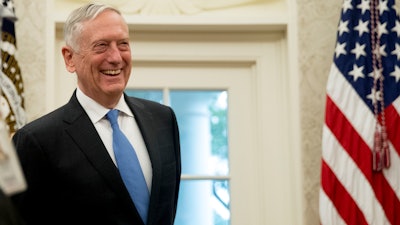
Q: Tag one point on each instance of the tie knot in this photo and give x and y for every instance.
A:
(112, 116)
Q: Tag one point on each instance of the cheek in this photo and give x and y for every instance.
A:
(128, 61)
(126, 56)
(81, 63)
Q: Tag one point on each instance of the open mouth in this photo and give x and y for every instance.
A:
(111, 72)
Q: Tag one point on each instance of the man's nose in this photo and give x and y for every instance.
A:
(114, 54)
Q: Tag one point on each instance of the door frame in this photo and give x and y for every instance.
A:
(271, 166)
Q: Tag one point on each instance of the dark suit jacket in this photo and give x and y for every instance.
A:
(72, 179)
(8, 214)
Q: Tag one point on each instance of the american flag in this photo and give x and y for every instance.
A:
(11, 84)
(362, 101)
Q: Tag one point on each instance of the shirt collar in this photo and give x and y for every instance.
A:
(95, 111)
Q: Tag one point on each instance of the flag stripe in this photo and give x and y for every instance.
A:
(392, 122)
(361, 154)
(351, 105)
(341, 162)
(363, 85)
(344, 203)
(328, 212)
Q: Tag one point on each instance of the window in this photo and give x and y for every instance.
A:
(202, 120)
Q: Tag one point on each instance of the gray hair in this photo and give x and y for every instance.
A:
(74, 24)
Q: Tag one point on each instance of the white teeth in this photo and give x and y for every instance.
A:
(112, 72)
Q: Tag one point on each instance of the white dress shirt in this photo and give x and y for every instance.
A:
(127, 124)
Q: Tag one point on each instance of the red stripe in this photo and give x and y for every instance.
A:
(361, 154)
(343, 202)
(393, 127)
(347, 136)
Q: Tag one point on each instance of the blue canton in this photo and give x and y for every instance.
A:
(353, 55)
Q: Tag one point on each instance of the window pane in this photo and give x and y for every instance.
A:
(202, 119)
(153, 95)
(203, 202)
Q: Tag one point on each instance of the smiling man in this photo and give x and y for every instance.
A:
(103, 157)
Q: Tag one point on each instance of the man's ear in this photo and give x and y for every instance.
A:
(67, 53)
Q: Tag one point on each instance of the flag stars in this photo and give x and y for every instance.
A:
(383, 6)
(374, 96)
(340, 49)
(362, 27)
(364, 6)
(382, 51)
(396, 51)
(359, 50)
(343, 27)
(396, 73)
(382, 29)
(357, 72)
(347, 5)
(376, 74)
(396, 28)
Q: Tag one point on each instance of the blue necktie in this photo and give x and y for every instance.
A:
(129, 167)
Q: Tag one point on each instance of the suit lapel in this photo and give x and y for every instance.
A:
(83, 132)
(146, 125)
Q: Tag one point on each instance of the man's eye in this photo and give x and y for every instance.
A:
(100, 47)
(124, 45)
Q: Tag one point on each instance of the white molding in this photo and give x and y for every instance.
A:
(186, 8)
(175, 7)
(260, 15)
(294, 124)
(168, 23)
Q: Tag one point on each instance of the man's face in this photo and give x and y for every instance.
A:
(103, 61)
